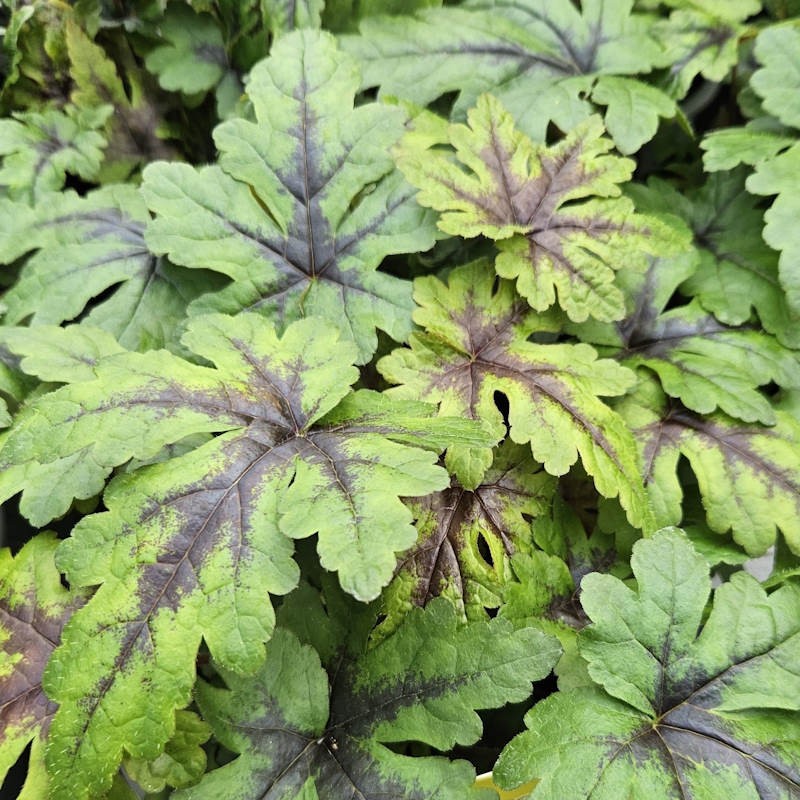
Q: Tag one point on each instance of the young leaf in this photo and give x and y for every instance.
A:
(84, 247)
(748, 475)
(295, 725)
(39, 149)
(34, 607)
(674, 713)
(304, 203)
(288, 15)
(476, 346)
(550, 51)
(524, 196)
(466, 538)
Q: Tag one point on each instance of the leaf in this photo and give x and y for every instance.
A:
(183, 761)
(524, 197)
(190, 547)
(466, 538)
(300, 727)
(540, 59)
(84, 247)
(304, 204)
(705, 364)
(33, 609)
(729, 147)
(736, 272)
(39, 149)
(191, 57)
(777, 81)
(475, 346)
(288, 15)
(674, 713)
(748, 475)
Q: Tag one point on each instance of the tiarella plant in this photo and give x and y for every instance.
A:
(398, 391)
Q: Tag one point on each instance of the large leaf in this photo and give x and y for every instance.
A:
(34, 607)
(542, 58)
(555, 211)
(190, 547)
(466, 538)
(674, 713)
(300, 730)
(475, 346)
(82, 247)
(749, 475)
(304, 204)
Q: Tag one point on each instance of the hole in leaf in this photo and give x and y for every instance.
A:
(485, 550)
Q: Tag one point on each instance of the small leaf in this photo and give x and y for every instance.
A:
(524, 196)
(288, 15)
(674, 712)
(294, 724)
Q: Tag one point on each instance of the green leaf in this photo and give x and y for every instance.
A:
(727, 148)
(84, 247)
(288, 15)
(475, 345)
(39, 149)
(736, 272)
(33, 609)
(706, 364)
(458, 527)
(748, 475)
(777, 82)
(304, 204)
(541, 59)
(183, 761)
(191, 57)
(526, 197)
(190, 547)
(297, 727)
(675, 713)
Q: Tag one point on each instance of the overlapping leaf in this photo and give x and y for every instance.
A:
(706, 364)
(304, 204)
(542, 58)
(674, 713)
(40, 148)
(300, 730)
(475, 345)
(191, 546)
(466, 538)
(749, 475)
(82, 247)
(34, 607)
(555, 211)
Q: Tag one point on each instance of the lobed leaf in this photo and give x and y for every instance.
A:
(304, 203)
(302, 730)
(476, 346)
(554, 211)
(674, 712)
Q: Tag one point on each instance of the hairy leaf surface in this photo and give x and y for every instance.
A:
(475, 346)
(542, 58)
(34, 607)
(749, 475)
(85, 247)
(674, 713)
(554, 211)
(191, 546)
(304, 203)
(300, 729)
